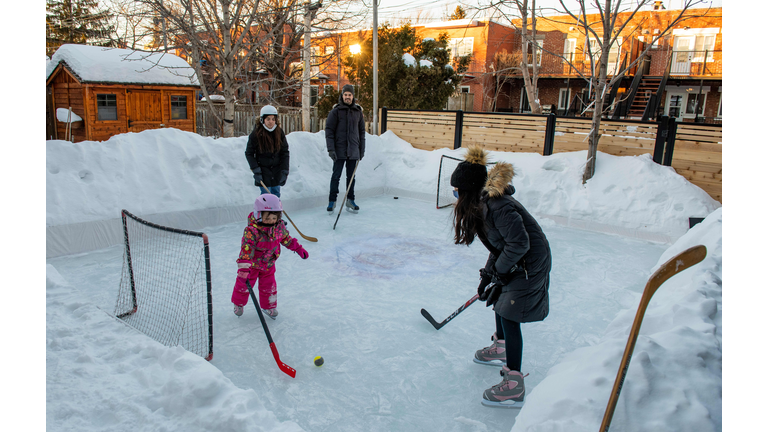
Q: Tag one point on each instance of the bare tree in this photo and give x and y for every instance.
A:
(231, 41)
(524, 12)
(613, 21)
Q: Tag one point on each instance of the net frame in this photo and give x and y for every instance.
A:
(445, 196)
(165, 287)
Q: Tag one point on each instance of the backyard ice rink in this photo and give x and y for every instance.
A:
(356, 302)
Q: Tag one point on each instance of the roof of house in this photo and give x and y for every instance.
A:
(93, 64)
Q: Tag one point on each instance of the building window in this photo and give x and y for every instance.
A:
(569, 50)
(464, 89)
(329, 50)
(564, 101)
(106, 105)
(178, 107)
(691, 104)
(313, 89)
(461, 47)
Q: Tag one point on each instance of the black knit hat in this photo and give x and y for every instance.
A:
(471, 173)
(348, 88)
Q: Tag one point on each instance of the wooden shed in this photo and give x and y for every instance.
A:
(118, 90)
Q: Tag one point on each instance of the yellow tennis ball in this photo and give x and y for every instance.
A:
(319, 361)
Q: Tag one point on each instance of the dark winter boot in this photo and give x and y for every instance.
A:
(351, 206)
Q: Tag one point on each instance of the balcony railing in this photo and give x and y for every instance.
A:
(684, 63)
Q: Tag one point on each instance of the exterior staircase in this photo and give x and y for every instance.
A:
(648, 86)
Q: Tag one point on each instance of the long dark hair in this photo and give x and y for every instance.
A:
(266, 141)
(468, 219)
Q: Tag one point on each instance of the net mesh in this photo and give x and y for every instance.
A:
(448, 164)
(165, 289)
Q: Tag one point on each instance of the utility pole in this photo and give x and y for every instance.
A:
(375, 128)
(305, 78)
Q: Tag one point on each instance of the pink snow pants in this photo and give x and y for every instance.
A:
(267, 287)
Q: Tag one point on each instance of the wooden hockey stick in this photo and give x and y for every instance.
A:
(291, 372)
(670, 268)
(344, 201)
(312, 239)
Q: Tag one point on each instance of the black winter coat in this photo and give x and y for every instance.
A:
(345, 130)
(273, 167)
(520, 241)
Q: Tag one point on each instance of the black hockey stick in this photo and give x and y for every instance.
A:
(283, 367)
(437, 325)
(345, 193)
(670, 268)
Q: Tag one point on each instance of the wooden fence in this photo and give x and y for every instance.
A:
(247, 116)
(693, 150)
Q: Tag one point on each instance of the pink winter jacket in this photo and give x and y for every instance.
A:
(261, 244)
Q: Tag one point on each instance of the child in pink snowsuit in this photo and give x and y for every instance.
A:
(260, 249)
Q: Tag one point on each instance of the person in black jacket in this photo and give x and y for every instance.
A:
(267, 152)
(515, 279)
(345, 139)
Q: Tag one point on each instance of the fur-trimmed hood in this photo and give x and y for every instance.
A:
(499, 179)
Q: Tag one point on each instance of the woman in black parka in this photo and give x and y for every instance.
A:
(515, 279)
(267, 152)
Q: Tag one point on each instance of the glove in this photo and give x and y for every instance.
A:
(257, 177)
(485, 279)
(332, 154)
(302, 252)
(283, 178)
(497, 281)
(243, 270)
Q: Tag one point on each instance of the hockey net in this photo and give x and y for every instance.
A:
(165, 287)
(445, 196)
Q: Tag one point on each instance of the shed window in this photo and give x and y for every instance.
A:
(106, 104)
(178, 107)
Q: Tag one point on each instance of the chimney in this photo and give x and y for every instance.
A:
(658, 5)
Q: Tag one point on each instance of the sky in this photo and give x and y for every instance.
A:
(356, 300)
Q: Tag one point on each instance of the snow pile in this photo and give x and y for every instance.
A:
(674, 381)
(117, 65)
(149, 384)
(167, 170)
(409, 60)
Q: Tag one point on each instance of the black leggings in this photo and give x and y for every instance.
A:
(510, 332)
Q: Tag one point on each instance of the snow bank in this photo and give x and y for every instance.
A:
(674, 381)
(194, 181)
(134, 382)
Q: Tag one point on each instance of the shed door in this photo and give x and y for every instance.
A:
(144, 110)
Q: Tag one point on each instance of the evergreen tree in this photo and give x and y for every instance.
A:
(458, 14)
(78, 22)
(425, 83)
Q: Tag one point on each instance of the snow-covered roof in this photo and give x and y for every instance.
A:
(93, 64)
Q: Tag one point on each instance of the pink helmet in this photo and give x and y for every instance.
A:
(267, 202)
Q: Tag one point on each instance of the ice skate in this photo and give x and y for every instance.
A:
(272, 313)
(331, 206)
(238, 310)
(351, 206)
(509, 393)
(494, 355)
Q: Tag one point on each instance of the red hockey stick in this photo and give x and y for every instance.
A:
(438, 325)
(670, 268)
(283, 367)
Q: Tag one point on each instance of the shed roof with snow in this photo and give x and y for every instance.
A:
(94, 64)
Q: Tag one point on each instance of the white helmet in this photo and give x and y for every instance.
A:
(268, 110)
